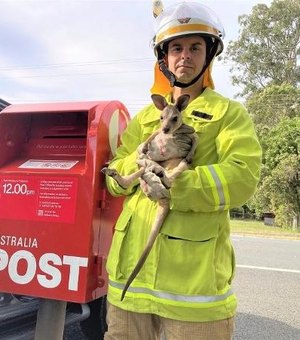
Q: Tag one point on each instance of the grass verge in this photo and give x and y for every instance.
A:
(250, 227)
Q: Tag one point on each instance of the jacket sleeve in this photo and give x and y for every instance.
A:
(125, 160)
(232, 180)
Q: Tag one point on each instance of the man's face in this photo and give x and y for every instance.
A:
(186, 57)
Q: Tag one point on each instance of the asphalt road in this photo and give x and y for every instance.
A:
(267, 284)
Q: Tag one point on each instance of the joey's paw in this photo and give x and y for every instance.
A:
(189, 159)
(157, 170)
(145, 149)
(159, 173)
(142, 162)
(142, 149)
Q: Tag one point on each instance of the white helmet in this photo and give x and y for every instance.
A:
(187, 18)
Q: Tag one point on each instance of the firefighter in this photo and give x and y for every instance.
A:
(184, 288)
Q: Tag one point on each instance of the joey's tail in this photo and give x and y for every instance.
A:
(162, 212)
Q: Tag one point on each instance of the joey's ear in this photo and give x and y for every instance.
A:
(159, 101)
(182, 102)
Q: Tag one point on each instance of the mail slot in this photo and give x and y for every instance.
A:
(56, 217)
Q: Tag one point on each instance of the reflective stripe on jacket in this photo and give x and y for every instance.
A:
(188, 273)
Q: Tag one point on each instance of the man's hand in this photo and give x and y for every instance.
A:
(158, 170)
(152, 187)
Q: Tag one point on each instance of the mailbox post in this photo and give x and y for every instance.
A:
(56, 217)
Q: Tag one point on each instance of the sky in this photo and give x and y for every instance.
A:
(82, 50)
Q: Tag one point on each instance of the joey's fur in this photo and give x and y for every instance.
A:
(162, 157)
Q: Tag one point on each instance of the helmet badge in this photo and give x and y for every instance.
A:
(184, 20)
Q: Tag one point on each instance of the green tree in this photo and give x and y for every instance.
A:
(279, 190)
(266, 67)
(267, 48)
(272, 104)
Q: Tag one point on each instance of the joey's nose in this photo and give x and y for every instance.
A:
(166, 130)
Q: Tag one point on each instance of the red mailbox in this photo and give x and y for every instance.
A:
(56, 217)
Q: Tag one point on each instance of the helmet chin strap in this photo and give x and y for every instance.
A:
(172, 79)
(171, 76)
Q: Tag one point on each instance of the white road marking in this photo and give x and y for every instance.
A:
(236, 237)
(269, 268)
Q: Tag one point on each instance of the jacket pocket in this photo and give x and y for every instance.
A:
(114, 264)
(205, 127)
(186, 263)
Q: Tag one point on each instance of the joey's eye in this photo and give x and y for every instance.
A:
(175, 119)
(161, 117)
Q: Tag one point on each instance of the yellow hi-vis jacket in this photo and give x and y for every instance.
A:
(188, 273)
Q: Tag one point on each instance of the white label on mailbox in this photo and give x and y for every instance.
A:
(48, 164)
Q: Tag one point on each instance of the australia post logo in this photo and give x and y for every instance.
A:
(18, 261)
